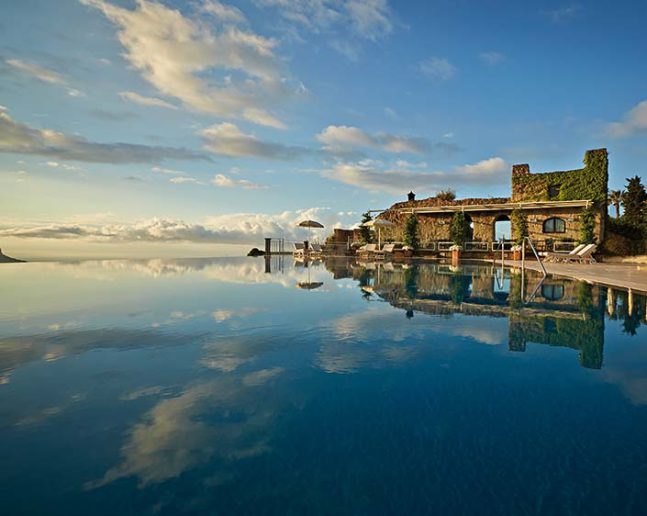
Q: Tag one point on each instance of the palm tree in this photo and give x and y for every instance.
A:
(615, 198)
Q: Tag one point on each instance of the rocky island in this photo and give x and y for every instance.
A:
(8, 259)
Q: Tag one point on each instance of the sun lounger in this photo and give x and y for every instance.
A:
(299, 250)
(585, 255)
(556, 256)
(387, 250)
(367, 251)
(316, 249)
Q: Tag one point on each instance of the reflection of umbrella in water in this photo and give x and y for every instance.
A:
(310, 224)
(309, 285)
(379, 224)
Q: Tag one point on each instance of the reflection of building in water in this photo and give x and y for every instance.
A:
(555, 312)
(585, 332)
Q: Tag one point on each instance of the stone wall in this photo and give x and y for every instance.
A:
(434, 227)
(588, 183)
(571, 216)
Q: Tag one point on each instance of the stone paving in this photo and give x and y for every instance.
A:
(619, 275)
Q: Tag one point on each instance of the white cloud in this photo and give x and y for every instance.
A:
(369, 176)
(408, 164)
(335, 136)
(64, 166)
(223, 12)
(368, 19)
(635, 122)
(347, 23)
(438, 68)
(145, 101)
(232, 228)
(180, 180)
(37, 71)
(19, 138)
(225, 315)
(492, 58)
(162, 170)
(43, 74)
(176, 55)
(343, 138)
(174, 436)
(485, 167)
(564, 14)
(227, 139)
(391, 113)
(20, 176)
(223, 181)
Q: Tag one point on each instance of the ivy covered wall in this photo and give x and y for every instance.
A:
(588, 183)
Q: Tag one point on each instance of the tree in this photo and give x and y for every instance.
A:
(411, 232)
(365, 231)
(615, 199)
(519, 224)
(633, 202)
(460, 229)
(446, 195)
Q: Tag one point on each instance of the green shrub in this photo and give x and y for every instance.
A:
(623, 239)
(446, 195)
(411, 232)
(519, 223)
(365, 231)
(587, 226)
(460, 229)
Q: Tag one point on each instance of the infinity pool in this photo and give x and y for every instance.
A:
(253, 386)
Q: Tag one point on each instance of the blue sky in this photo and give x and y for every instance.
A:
(209, 122)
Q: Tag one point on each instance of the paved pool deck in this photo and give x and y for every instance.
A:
(619, 275)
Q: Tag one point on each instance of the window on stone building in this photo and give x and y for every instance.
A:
(554, 225)
(552, 292)
(553, 191)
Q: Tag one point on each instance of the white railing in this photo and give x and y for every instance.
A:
(502, 245)
(563, 246)
(477, 246)
(443, 246)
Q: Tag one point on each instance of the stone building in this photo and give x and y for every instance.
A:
(552, 203)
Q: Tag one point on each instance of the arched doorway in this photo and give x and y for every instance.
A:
(502, 228)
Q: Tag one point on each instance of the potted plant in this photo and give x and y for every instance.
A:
(458, 231)
(456, 254)
(516, 252)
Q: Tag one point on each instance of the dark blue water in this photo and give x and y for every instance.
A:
(236, 386)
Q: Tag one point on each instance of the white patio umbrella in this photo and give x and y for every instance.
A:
(310, 224)
(379, 224)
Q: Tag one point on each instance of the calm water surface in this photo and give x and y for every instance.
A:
(240, 386)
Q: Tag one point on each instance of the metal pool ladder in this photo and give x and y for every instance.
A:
(523, 268)
(523, 256)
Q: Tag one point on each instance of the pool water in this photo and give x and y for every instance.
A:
(264, 386)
